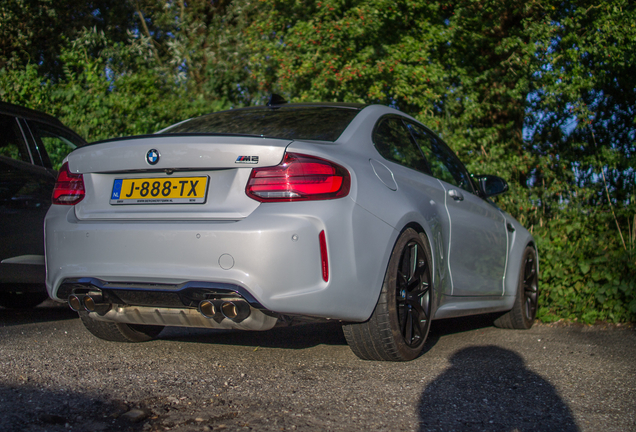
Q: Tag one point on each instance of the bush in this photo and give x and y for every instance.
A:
(586, 273)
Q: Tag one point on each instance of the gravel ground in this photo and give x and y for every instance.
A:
(55, 376)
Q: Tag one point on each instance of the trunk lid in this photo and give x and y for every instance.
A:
(219, 167)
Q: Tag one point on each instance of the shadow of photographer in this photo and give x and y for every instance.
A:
(488, 388)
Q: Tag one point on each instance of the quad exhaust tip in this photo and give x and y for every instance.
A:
(75, 303)
(88, 303)
(208, 309)
(234, 310)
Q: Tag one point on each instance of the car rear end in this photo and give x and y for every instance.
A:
(206, 230)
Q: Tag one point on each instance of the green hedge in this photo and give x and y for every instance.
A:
(586, 272)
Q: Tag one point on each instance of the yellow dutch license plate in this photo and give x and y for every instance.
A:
(177, 190)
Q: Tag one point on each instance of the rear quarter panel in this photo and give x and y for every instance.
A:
(417, 202)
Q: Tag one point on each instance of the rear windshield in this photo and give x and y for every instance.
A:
(294, 123)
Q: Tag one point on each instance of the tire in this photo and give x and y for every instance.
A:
(119, 332)
(25, 300)
(400, 322)
(524, 311)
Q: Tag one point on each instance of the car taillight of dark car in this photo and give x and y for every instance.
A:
(69, 187)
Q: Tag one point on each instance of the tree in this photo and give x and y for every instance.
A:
(202, 40)
(583, 120)
(33, 31)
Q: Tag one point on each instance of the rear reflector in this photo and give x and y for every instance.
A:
(324, 259)
(299, 178)
(69, 187)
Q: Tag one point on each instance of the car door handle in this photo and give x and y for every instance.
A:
(456, 195)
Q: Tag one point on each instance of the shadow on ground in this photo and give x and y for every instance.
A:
(307, 335)
(445, 327)
(489, 388)
(450, 326)
(26, 408)
(297, 336)
(47, 311)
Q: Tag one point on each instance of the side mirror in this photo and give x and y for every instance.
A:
(491, 185)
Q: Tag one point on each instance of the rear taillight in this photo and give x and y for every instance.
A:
(69, 187)
(299, 178)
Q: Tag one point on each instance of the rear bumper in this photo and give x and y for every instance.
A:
(272, 256)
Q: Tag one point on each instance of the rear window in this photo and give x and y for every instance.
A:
(293, 123)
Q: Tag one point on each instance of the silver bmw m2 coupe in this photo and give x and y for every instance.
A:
(247, 218)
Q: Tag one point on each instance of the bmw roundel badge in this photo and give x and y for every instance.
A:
(152, 157)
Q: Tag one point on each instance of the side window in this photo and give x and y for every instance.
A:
(444, 164)
(12, 144)
(394, 143)
(52, 143)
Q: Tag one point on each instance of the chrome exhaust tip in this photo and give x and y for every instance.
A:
(207, 309)
(90, 303)
(75, 303)
(210, 310)
(236, 311)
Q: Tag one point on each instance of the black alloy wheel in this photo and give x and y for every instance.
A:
(413, 294)
(399, 325)
(524, 309)
(530, 286)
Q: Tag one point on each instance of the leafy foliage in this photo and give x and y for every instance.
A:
(118, 92)
(33, 31)
(586, 277)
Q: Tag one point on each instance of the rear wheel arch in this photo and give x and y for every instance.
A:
(427, 237)
(399, 324)
(417, 227)
(424, 235)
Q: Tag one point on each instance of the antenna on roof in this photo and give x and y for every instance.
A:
(275, 99)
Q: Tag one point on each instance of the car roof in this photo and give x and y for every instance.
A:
(19, 111)
(357, 106)
(30, 114)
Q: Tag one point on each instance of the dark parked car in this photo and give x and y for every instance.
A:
(32, 147)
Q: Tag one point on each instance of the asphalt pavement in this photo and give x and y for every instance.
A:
(55, 376)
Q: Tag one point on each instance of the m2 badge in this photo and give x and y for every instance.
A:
(247, 160)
